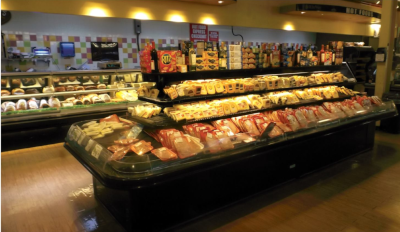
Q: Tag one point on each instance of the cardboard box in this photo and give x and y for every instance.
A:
(211, 61)
(235, 60)
(210, 55)
(212, 67)
(233, 47)
(234, 65)
(167, 61)
(201, 67)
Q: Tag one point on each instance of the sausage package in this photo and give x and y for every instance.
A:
(141, 147)
(164, 154)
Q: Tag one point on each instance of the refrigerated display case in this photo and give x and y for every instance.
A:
(157, 172)
(38, 107)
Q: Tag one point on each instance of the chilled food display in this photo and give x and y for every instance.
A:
(146, 110)
(227, 106)
(128, 142)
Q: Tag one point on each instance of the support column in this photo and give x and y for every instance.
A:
(386, 39)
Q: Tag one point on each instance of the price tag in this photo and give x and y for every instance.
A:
(81, 138)
(89, 145)
(71, 133)
(76, 133)
(96, 151)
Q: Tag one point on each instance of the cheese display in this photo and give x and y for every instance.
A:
(192, 88)
(146, 110)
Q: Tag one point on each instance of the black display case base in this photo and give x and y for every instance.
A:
(164, 205)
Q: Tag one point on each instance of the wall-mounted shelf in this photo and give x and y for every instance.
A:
(87, 72)
(65, 93)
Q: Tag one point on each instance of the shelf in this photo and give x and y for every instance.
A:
(37, 95)
(67, 72)
(28, 58)
(163, 120)
(167, 100)
(237, 72)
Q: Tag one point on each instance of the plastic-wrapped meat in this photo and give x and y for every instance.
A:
(244, 137)
(21, 104)
(141, 147)
(301, 119)
(347, 110)
(358, 107)
(228, 123)
(32, 104)
(111, 118)
(283, 127)
(224, 140)
(183, 147)
(294, 124)
(309, 114)
(335, 110)
(276, 131)
(125, 141)
(115, 148)
(251, 127)
(164, 154)
(212, 141)
(172, 137)
(105, 97)
(195, 143)
(119, 154)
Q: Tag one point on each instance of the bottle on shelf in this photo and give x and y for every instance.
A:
(333, 53)
(269, 53)
(298, 54)
(309, 52)
(328, 56)
(154, 58)
(222, 56)
(323, 55)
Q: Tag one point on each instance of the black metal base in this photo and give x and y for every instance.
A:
(167, 204)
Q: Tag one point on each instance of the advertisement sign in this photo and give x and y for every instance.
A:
(213, 36)
(198, 32)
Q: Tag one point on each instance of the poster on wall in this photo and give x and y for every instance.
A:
(213, 36)
(198, 32)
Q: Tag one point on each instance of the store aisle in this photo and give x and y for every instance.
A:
(46, 189)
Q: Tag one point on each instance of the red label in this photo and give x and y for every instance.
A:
(213, 36)
(198, 32)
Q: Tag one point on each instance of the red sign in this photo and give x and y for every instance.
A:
(198, 32)
(213, 36)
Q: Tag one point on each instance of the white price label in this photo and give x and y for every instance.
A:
(71, 133)
(81, 138)
(96, 151)
(89, 145)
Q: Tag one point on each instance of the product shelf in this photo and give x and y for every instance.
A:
(168, 101)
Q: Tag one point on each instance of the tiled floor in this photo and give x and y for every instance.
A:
(46, 189)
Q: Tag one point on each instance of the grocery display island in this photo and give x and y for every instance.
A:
(157, 172)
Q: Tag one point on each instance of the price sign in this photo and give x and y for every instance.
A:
(96, 151)
(213, 36)
(89, 145)
(198, 32)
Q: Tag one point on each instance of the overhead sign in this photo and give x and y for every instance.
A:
(213, 36)
(198, 32)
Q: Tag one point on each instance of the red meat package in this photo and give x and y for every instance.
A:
(111, 118)
(164, 154)
(141, 147)
(183, 147)
(119, 152)
(126, 141)
(224, 140)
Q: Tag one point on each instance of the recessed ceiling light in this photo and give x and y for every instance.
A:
(322, 14)
(303, 12)
(220, 2)
(378, 2)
